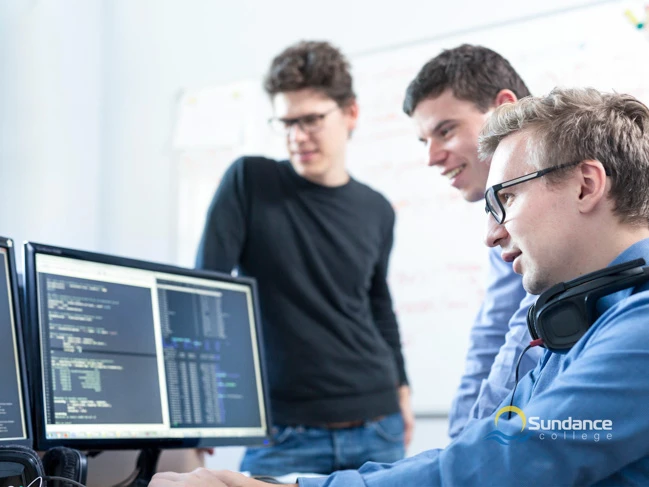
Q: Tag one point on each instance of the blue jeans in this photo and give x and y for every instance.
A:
(306, 449)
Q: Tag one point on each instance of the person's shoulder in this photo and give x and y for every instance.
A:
(633, 303)
(373, 196)
(255, 170)
(254, 163)
(629, 314)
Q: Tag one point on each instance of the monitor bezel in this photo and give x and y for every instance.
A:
(34, 359)
(12, 271)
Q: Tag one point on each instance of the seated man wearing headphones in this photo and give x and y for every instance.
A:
(568, 203)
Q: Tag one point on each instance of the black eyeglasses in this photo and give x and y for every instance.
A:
(493, 203)
(309, 124)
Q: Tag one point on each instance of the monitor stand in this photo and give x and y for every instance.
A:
(146, 465)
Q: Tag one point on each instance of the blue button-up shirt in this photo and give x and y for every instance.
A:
(497, 339)
(602, 378)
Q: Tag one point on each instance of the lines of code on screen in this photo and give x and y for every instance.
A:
(100, 359)
(11, 422)
(209, 365)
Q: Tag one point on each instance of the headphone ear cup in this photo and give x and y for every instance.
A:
(531, 322)
(67, 463)
(24, 456)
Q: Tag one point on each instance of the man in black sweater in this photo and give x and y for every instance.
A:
(318, 242)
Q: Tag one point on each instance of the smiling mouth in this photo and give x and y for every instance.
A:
(454, 172)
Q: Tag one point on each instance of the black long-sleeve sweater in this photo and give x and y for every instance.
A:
(320, 256)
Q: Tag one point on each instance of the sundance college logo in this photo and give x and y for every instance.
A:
(551, 429)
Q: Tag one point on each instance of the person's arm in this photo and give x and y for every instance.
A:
(203, 477)
(502, 376)
(225, 226)
(503, 295)
(386, 322)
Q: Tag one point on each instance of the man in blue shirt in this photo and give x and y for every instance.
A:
(568, 194)
(449, 101)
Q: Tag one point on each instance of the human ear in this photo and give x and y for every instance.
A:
(593, 187)
(351, 115)
(504, 96)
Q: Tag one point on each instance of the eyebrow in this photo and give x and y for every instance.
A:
(441, 124)
(438, 127)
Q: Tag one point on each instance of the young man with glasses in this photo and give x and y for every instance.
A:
(579, 415)
(318, 243)
(449, 101)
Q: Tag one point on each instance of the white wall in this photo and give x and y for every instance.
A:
(50, 121)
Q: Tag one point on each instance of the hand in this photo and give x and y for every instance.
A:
(203, 477)
(406, 412)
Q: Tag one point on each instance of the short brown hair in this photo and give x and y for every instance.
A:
(580, 124)
(473, 73)
(311, 64)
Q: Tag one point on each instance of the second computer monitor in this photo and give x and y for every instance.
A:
(14, 420)
(135, 354)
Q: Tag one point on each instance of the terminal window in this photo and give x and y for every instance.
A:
(153, 354)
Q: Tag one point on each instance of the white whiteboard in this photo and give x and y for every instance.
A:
(438, 262)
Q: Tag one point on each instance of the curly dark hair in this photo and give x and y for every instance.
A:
(473, 73)
(311, 64)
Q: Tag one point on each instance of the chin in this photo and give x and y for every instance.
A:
(535, 286)
(314, 170)
(530, 287)
(472, 195)
(306, 167)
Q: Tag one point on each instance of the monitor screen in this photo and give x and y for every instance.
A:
(136, 354)
(14, 424)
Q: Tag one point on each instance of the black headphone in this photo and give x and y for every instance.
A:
(563, 313)
(60, 467)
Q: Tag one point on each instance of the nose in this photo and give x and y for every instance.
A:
(496, 233)
(296, 134)
(437, 154)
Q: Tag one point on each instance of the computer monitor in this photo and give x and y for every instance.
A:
(136, 354)
(14, 416)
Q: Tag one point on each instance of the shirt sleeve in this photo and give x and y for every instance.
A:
(413, 471)
(224, 234)
(502, 376)
(503, 297)
(381, 302)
